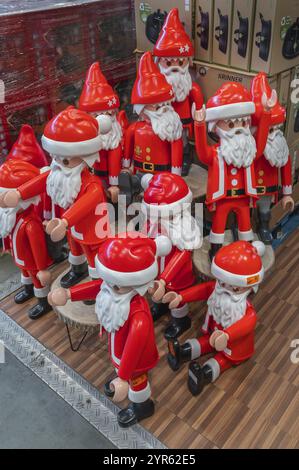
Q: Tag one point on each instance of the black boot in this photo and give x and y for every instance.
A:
(40, 309)
(25, 294)
(187, 160)
(177, 354)
(109, 392)
(75, 275)
(198, 377)
(158, 310)
(215, 247)
(177, 327)
(135, 412)
(264, 229)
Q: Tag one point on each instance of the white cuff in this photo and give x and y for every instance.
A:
(47, 215)
(180, 312)
(246, 236)
(41, 292)
(140, 396)
(176, 170)
(26, 281)
(195, 348)
(217, 238)
(113, 180)
(126, 163)
(214, 365)
(76, 260)
(287, 190)
(93, 273)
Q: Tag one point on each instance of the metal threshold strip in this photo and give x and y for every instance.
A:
(71, 387)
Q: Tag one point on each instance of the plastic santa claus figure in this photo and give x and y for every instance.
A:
(275, 164)
(153, 143)
(73, 140)
(126, 266)
(98, 98)
(167, 207)
(228, 330)
(231, 173)
(23, 229)
(174, 51)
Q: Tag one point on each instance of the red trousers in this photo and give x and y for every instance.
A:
(241, 207)
(206, 348)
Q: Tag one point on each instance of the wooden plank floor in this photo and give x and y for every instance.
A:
(255, 405)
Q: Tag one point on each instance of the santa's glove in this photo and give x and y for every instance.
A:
(10, 198)
(288, 203)
(113, 192)
(173, 299)
(199, 115)
(120, 388)
(158, 290)
(59, 297)
(269, 103)
(44, 277)
(57, 228)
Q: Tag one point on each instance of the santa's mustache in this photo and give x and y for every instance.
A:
(174, 69)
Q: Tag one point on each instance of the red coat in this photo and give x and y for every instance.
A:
(147, 150)
(132, 348)
(177, 269)
(28, 242)
(223, 177)
(81, 216)
(269, 176)
(184, 108)
(240, 345)
(109, 164)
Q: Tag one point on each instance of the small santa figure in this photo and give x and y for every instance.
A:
(98, 98)
(23, 229)
(231, 173)
(167, 207)
(228, 330)
(73, 140)
(154, 143)
(275, 165)
(174, 52)
(127, 266)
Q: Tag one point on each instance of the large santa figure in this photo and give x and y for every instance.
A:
(154, 143)
(73, 140)
(127, 266)
(98, 98)
(22, 228)
(228, 330)
(174, 51)
(167, 207)
(274, 167)
(231, 174)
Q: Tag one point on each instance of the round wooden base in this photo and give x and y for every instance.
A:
(202, 263)
(77, 314)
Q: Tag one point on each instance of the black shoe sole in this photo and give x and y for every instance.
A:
(195, 379)
(18, 302)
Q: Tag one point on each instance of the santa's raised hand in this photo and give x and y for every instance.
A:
(57, 229)
(269, 103)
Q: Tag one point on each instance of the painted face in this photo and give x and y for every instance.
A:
(168, 62)
(230, 124)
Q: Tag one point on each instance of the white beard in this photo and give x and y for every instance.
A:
(64, 184)
(111, 140)
(183, 231)
(166, 124)
(238, 150)
(227, 307)
(277, 150)
(113, 309)
(8, 216)
(180, 79)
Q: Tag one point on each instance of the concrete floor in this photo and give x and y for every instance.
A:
(32, 416)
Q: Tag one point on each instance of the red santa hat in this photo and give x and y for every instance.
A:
(26, 148)
(231, 101)
(150, 87)
(97, 94)
(259, 87)
(130, 259)
(74, 133)
(165, 193)
(14, 173)
(173, 40)
(239, 264)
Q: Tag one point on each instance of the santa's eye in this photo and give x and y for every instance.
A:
(271, 130)
(236, 289)
(231, 125)
(168, 63)
(244, 123)
(181, 62)
(65, 161)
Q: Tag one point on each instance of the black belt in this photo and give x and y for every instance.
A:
(186, 121)
(235, 192)
(100, 172)
(147, 166)
(266, 189)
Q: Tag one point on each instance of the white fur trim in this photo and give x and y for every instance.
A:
(113, 180)
(216, 238)
(44, 169)
(237, 280)
(246, 236)
(3, 190)
(165, 209)
(137, 108)
(72, 149)
(220, 190)
(26, 281)
(195, 348)
(180, 312)
(176, 170)
(214, 365)
(123, 279)
(105, 124)
(93, 273)
(250, 188)
(47, 215)
(164, 246)
(145, 181)
(126, 163)
(230, 111)
(76, 260)
(76, 234)
(14, 243)
(287, 190)
(42, 292)
(141, 396)
(260, 247)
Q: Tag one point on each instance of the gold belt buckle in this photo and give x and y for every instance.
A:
(147, 166)
(234, 192)
(262, 190)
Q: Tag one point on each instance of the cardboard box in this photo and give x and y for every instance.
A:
(203, 31)
(151, 14)
(242, 34)
(276, 36)
(211, 77)
(292, 129)
(223, 19)
(284, 83)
